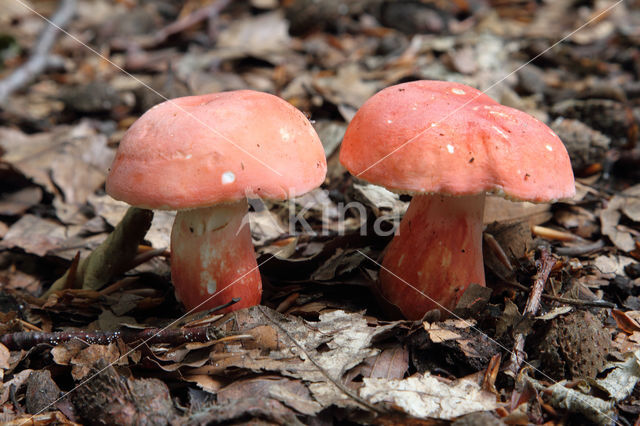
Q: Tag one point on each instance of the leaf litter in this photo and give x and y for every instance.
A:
(320, 348)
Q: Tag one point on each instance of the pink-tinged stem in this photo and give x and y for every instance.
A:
(212, 255)
(438, 250)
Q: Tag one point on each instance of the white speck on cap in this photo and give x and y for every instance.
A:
(228, 177)
(389, 121)
(503, 134)
(499, 113)
(285, 135)
(549, 147)
(450, 148)
(434, 124)
(458, 91)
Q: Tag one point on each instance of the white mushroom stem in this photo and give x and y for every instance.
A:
(438, 250)
(212, 257)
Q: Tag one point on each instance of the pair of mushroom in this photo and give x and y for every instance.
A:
(445, 143)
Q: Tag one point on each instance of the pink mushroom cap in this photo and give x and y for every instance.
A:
(449, 138)
(202, 150)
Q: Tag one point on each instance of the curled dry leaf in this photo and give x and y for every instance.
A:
(15, 383)
(627, 202)
(625, 322)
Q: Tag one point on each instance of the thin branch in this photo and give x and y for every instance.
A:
(567, 300)
(581, 249)
(172, 336)
(29, 339)
(182, 24)
(40, 58)
(544, 266)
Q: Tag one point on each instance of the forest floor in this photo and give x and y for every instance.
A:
(319, 349)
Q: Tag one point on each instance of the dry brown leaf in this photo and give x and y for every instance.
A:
(628, 201)
(73, 160)
(292, 393)
(35, 235)
(65, 352)
(20, 201)
(15, 383)
(498, 209)
(625, 322)
(346, 87)
(424, 396)
(612, 264)
(159, 235)
(342, 262)
(390, 363)
(5, 354)
(205, 382)
(84, 361)
(265, 36)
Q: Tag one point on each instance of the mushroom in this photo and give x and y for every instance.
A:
(203, 156)
(448, 145)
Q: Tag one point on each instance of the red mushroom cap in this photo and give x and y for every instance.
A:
(448, 138)
(197, 151)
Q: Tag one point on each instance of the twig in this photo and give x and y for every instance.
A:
(544, 266)
(29, 339)
(160, 36)
(39, 59)
(172, 336)
(568, 301)
(581, 249)
(324, 372)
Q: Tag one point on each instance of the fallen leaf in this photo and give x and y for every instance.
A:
(380, 200)
(390, 363)
(498, 209)
(73, 160)
(15, 383)
(18, 202)
(628, 201)
(624, 322)
(291, 393)
(264, 36)
(5, 354)
(205, 382)
(35, 235)
(621, 377)
(427, 396)
(612, 264)
(159, 234)
(83, 362)
(595, 409)
(343, 262)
